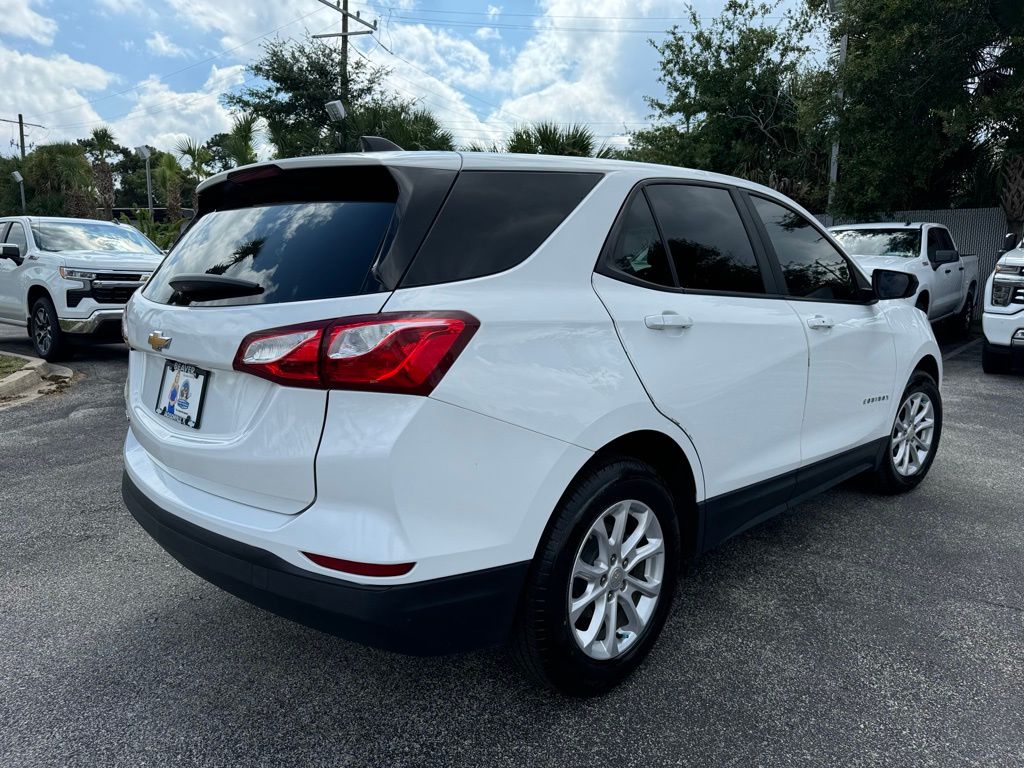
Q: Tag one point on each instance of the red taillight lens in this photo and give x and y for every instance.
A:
(405, 352)
(360, 569)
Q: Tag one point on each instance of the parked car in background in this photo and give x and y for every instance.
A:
(948, 280)
(1003, 316)
(66, 279)
(434, 401)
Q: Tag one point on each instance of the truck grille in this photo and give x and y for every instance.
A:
(108, 288)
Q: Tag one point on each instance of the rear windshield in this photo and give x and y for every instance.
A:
(293, 251)
(57, 236)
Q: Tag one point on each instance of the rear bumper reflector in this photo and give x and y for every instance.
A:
(360, 569)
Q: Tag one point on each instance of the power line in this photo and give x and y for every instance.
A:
(182, 69)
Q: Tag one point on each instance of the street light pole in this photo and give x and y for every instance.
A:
(145, 154)
(20, 181)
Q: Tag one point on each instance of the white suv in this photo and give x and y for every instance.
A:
(66, 279)
(437, 401)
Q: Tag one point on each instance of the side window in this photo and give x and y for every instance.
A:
(706, 238)
(945, 241)
(933, 242)
(812, 266)
(639, 251)
(3, 230)
(17, 236)
(494, 220)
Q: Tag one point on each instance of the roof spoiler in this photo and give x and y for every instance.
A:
(377, 144)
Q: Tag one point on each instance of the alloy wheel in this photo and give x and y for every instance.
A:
(912, 434)
(41, 331)
(616, 580)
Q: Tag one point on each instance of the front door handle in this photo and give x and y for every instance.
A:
(948, 271)
(820, 322)
(664, 321)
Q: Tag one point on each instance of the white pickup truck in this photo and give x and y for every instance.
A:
(948, 280)
(1003, 319)
(65, 279)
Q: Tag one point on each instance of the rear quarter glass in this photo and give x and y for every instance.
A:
(494, 220)
(297, 251)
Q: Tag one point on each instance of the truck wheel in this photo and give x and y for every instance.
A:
(601, 584)
(914, 439)
(44, 330)
(993, 361)
(965, 320)
(922, 303)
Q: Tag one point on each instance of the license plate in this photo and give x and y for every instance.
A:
(181, 393)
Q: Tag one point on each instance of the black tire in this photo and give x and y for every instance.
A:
(48, 340)
(993, 361)
(887, 478)
(965, 320)
(922, 303)
(544, 643)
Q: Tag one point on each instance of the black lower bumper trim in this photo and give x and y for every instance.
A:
(449, 615)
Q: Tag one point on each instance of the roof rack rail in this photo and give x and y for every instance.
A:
(377, 144)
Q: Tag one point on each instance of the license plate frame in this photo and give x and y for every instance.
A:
(171, 408)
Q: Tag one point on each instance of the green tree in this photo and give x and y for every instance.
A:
(167, 176)
(407, 125)
(545, 138)
(241, 141)
(912, 122)
(300, 78)
(744, 97)
(62, 181)
(199, 159)
(101, 148)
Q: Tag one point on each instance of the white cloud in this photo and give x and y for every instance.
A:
(160, 45)
(19, 20)
(487, 33)
(53, 87)
(493, 11)
(162, 116)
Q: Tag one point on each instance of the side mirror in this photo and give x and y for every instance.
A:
(1009, 242)
(12, 252)
(946, 257)
(890, 284)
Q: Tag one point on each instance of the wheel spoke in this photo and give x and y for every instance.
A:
(634, 622)
(620, 513)
(593, 592)
(645, 588)
(589, 572)
(650, 549)
(611, 618)
(643, 523)
(586, 637)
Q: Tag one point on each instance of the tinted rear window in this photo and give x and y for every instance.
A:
(494, 220)
(295, 251)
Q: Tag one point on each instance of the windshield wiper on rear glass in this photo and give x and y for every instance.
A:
(206, 287)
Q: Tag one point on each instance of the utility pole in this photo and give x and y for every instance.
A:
(21, 130)
(835, 6)
(341, 6)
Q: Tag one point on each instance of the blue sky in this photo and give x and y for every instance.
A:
(153, 71)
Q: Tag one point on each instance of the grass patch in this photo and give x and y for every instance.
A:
(10, 364)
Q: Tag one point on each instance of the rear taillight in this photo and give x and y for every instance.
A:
(406, 352)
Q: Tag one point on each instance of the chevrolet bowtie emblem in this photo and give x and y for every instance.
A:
(158, 341)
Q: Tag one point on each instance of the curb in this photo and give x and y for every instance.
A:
(37, 374)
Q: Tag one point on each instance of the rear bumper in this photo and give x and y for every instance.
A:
(446, 615)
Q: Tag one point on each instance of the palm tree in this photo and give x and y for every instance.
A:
(168, 179)
(101, 146)
(242, 140)
(546, 138)
(63, 179)
(199, 157)
(408, 126)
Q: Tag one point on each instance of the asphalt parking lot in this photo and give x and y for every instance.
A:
(856, 631)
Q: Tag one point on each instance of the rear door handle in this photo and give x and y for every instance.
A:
(820, 322)
(665, 321)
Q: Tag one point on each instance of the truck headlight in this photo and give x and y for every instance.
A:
(76, 274)
(1008, 269)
